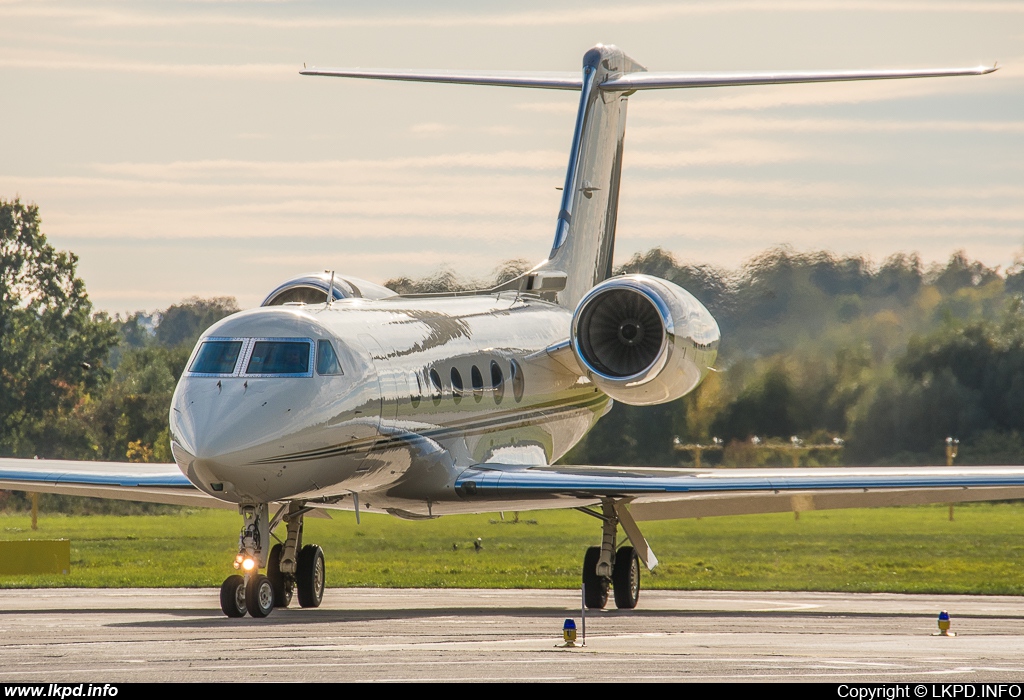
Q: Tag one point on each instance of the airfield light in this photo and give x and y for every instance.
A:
(944, 626)
(569, 632)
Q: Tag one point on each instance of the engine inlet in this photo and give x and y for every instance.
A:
(620, 332)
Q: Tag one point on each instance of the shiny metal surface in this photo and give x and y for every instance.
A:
(688, 350)
(585, 228)
(552, 80)
(663, 80)
(321, 284)
(329, 436)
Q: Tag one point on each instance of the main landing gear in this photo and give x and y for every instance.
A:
(291, 567)
(605, 567)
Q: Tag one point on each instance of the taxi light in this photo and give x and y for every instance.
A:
(248, 564)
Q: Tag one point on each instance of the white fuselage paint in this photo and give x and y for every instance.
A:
(380, 430)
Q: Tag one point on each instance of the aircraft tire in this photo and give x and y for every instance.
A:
(232, 596)
(310, 576)
(259, 596)
(284, 585)
(626, 578)
(595, 588)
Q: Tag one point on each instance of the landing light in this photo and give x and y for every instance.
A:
(248, 564)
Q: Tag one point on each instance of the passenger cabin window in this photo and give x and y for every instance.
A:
(435, 387)
(497, 382)
(478, 383)
(518, 381)
(326, 359)
(280, 357)
(217, 357)
(456, 385)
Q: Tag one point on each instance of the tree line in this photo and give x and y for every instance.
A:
(890, 358)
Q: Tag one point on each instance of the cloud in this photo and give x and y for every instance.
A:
(279, 71)
(576, 16)
(644, 135)
(535, 160)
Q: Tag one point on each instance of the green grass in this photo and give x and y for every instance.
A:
(896, 550)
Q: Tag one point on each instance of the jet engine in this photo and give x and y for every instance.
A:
(314, 288)
(643, 340)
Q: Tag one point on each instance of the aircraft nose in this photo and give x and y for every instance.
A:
(217, 423)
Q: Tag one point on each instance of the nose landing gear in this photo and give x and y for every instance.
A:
(605, 567)
(289, 565)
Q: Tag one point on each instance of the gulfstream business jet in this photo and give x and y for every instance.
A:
(337, 393)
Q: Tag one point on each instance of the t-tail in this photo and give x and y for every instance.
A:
(582, 251)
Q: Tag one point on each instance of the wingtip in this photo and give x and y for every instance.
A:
(986, 70)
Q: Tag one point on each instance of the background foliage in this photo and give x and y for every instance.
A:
(890, 357)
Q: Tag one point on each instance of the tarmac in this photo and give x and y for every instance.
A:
(402, 635)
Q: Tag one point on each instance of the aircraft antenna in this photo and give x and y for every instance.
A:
(330, 290)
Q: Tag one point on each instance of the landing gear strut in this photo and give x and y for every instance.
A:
(289, 565)
(605, 567)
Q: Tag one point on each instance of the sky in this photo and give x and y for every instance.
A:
(176, 150)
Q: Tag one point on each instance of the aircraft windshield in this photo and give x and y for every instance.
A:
(279, 357)
(217, 357)
(326, 359)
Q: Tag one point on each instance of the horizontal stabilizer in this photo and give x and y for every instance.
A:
(664, 80)
(529, 79)
(640, 80)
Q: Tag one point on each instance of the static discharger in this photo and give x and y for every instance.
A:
(944, 626)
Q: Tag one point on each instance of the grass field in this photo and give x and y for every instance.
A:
(898, 550)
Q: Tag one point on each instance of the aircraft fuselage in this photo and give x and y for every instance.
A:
(428, 388)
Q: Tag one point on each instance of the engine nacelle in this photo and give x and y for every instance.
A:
(643, 340)
(314, 287)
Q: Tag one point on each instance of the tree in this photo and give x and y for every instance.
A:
(52, 347)
(183, 323)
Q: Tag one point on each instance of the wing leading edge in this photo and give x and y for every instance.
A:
(657, 494)
(152, 483)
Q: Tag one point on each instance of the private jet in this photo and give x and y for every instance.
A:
(338, 393)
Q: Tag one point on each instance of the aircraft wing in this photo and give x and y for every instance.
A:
(662, 493)
(152, 483)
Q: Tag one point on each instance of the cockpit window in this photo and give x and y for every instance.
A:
(217, 357)
(280, 357)
(326, 359)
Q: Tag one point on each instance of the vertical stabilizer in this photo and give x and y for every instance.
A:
(581, 255)
(585, 230)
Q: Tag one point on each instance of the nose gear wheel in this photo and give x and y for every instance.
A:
(259, 596)
(232, 596)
